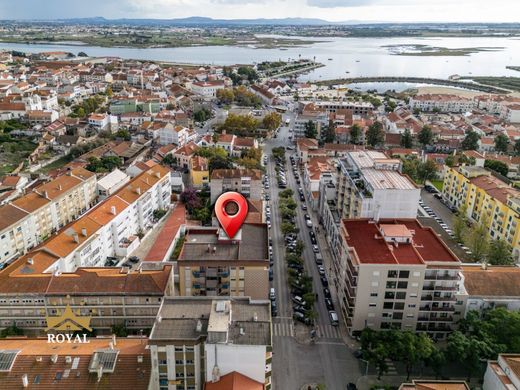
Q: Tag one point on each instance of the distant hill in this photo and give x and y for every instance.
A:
(199, 21)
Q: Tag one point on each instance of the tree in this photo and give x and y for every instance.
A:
(272, 121)
(225, 95)
(471, 140)
(460, 224)
(477, 240)
(517, 146)
(82, 54)
(499, 253)
(427, 170)
(501, 143)
(450, 160)
(288, 228)
(412, 348)
(241, 125)
(425, 136)
(12, 330)
(497, 166)
(218, 162)
(310, 130)
(190, 198)
(355, 134)
(436, 361)
(329, 135)
(406, 139)
(123, 134)
(375, 135)
(120, 330)
(287, 193)
(411, 167)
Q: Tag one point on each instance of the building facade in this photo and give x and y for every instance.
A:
(248, 182)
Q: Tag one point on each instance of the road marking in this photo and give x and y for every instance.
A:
(328, 343)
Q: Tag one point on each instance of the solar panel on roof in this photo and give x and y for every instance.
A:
(7, 359)
(105, 358)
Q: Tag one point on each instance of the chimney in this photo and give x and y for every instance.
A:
(138, 190)
(54, 358)
(255, 317)
(84, 232)
(30, 260)
(140, 359)
(199, 326)
(45, 194)
(39, 359)
(75, 237)
(484, 266)
(158, 175)
(59, 187)
(113, 210)
(99, 373)
(25, 380)
(214, 249)
(111, 346)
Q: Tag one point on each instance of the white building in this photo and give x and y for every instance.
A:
(110, 183)
(207, 88)
(442, 103)
(503, 374)
(103, 122)
(178, 135)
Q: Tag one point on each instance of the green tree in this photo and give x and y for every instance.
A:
(12, 330)
(288, 228)
(450, 161)
(120, 330)
(411, 167)
(471, 140)
(310, 130)
(501, 143)
(375, 135)
(219, 162)
(329, 135)
(406, 139)
(477, 240)
(355, 134)
(272, 121)
(225, 95)
(499, 253)
(169, 160)
(412, 349)
(497, 166)
(287, 193)
(517, 146)
(460, 224)
(425, 136)
(436, 361)
(427, 170)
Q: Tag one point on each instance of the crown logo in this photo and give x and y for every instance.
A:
(68, 321)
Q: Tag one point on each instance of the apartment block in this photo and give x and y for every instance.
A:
(212, 264)
(503, 374)
(30, 219)
(198, 341)
(487, 199)
(397, 274)
(114, 363)
(29, 294)
(248, 182)
(370, 185)
(442, 103)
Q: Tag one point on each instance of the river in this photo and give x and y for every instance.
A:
(343, 57)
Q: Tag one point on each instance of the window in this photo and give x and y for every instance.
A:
(372, 304)
(404, 274)
(399, 306)
(400, 295)
(388, 305)
(412, 305)
(373, 294)
(413, 295)
(389, 295)
(402, 285)
(392, 274)
(397, 316)
(391, 284)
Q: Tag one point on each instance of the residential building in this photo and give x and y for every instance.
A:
(442, 103)
(110, 183)
(36, 363)
(212, 264)
(314, 171)
(417, 384)
(30, 293)
(310, 113)
(200, 340)
(178, 135)
(199, 172)
(207, 88)
(370, 185)
(490, 287)
(357, 108)
(487, 200)
(503, 373)
(396, 274)
(103, 122)
(248, 182)
(30, 219)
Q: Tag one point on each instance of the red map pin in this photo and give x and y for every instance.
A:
(231, 223)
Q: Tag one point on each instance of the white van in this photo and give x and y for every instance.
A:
(272, 295)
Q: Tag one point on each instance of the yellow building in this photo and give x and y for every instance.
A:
(487, 199)
(199, 172)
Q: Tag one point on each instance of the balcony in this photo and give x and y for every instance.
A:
(438, 299)
(436, 309)
(441, 277)
(440, 288)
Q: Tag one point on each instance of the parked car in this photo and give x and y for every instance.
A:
(321, 270)
(329, 304)
(309, 223)
(326, 292)
(304, 207)
(272, 294)
(274, 309)
(333, 316)
(315, 249)
(301, 317)
(324, 281)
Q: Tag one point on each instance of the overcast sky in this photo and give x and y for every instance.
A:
(332, 10)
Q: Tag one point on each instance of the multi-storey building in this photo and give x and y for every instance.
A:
(212, 264)
(357, 108)
(114, 363)
(30, 219)
(248, 182)
(371, 186)
(178, 135)
(396, 274)
(199, 340)
(503, 373)
(442, 103)
(207, 88)
(29, 293)
(487, 200)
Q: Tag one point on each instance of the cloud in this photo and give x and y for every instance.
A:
(338, 3)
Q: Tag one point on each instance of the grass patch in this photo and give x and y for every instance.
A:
(54, 165)
(437, 184)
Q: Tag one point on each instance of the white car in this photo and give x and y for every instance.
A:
(309, 223)
(315, 249)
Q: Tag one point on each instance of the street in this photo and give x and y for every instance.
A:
(296, 362)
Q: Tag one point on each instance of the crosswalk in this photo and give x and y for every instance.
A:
(328, 332)
(391, 367)
(283, 327)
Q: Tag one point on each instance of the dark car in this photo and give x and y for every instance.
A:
(301, 317)
(351, 386)
(358, 353)
(324, 281)
(274, 309)
(270, 274)
(326, 292)
(329, 304)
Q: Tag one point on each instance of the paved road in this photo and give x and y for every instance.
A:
(328, 361)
